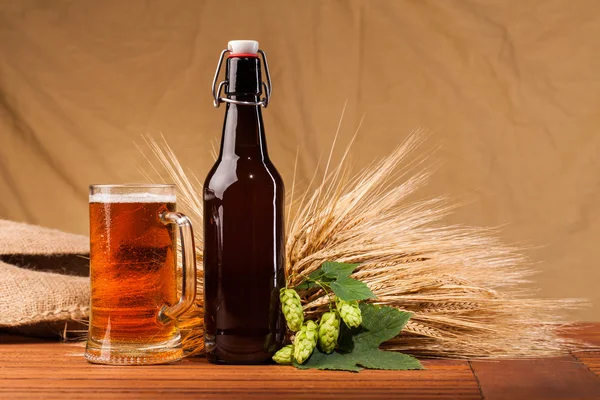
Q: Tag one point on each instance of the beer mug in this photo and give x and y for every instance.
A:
(133, 274)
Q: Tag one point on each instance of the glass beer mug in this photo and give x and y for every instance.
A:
(134, 305)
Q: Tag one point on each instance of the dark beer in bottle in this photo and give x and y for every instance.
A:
(243, 222)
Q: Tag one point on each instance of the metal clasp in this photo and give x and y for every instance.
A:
(216, 90)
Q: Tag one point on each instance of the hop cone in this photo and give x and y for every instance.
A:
(292, 308)
(305, 341)
(329, 331)
(284, 355)
(350, 312)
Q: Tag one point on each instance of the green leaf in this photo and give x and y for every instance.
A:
(316, 275)
(379, 324)
(345, 341)
(328, 272)
(306, 285)
(334, 361)
(349, 289)
(379, 359)
(337, 270)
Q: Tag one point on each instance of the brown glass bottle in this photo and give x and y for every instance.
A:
(243, 232)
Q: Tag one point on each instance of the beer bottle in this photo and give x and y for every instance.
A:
(243, 222)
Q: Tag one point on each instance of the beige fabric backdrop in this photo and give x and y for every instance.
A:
(510, 88)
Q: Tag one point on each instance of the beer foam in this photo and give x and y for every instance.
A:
(132, 198)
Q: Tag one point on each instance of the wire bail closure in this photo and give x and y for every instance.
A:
(216, 90)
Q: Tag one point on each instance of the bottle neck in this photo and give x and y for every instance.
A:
(243, 130)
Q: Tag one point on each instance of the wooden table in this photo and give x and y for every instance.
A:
(35, 369)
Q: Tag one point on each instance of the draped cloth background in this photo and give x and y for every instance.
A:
(511, 89)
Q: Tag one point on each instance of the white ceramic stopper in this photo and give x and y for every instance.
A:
(243, 46)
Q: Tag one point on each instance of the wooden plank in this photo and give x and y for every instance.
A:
(555, 378)
(32, 368)
(590, 359)
(271, 393)
(14, 339)
(590, 333)
(54, 370)
(558, 378)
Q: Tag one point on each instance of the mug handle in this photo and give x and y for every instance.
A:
(188, 260)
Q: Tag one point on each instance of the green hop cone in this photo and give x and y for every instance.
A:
(305, 341)
(350, 312)
(284, 355)
(329, 331)
(292, 308)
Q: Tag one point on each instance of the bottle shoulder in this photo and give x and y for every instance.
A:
(243, 173)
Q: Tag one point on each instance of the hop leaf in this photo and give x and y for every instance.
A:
(292, 308)
(349, 289)
(329, 331)
(350, 312)
(305, 341)
(284, 355)
(379, 324)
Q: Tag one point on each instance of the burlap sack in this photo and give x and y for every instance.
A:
(43, 278)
